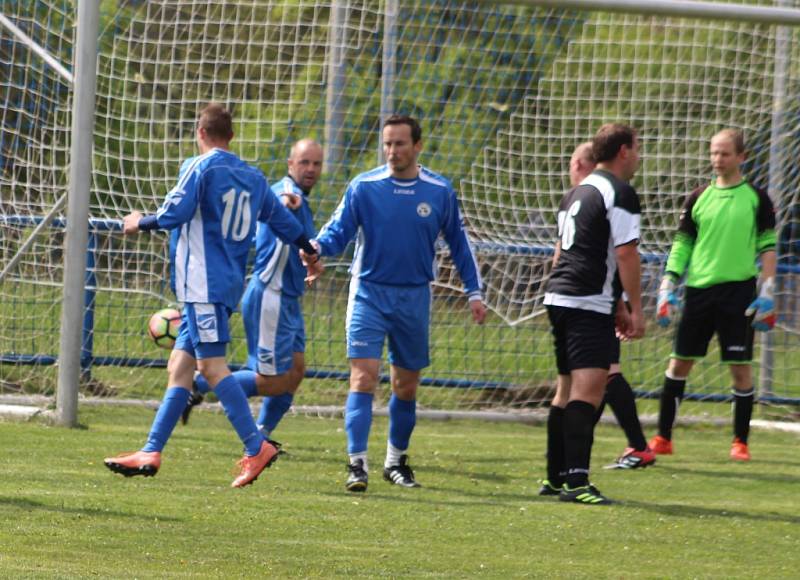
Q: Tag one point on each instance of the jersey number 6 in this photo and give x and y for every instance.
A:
(568, 227)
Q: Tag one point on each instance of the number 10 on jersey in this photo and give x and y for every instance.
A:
(236, 216)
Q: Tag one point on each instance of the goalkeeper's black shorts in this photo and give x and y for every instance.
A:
(719, 308)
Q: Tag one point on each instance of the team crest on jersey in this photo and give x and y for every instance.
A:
(423, 210)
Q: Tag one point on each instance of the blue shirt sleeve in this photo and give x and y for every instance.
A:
(181, 202)
(281, 221)
(341, 228)
(456, 237)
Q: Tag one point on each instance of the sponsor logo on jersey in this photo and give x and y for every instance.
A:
(403, 191)
(265, 356)
(207, 322)
(358, 343)
(423, 210)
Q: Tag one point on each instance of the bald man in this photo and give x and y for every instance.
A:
(271, 309)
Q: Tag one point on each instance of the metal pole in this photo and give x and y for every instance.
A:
(674, 8)
(80, 179)
(776, 164)
(27, 244)
(90, 292)
(337, 74)
(31, 44)
(388, 68)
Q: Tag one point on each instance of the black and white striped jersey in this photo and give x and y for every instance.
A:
(599, 214)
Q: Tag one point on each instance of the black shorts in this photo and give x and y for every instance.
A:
(583, 339)
(719, 308)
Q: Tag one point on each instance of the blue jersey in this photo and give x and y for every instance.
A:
(212, 211)
(396, 224)
(278, 265)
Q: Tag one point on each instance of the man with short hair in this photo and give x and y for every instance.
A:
(598, 226)
(723, 228)
(212, 211)
(396, 213)
(271, 308)
(619, 395)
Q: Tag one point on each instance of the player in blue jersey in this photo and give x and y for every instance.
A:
(213, 211)
(395, 212)
(273, 317)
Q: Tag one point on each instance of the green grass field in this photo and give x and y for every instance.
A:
(692, 515)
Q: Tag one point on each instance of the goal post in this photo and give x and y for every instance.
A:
(504, 92)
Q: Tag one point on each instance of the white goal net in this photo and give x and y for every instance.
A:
(504, 93)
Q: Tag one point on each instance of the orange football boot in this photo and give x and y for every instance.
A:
(137, 463)
(251, 467)
(739, 450)
(660, 445)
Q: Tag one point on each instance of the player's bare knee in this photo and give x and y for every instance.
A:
(742, 377)
(364, 375)
(679, 368)
(213, 369)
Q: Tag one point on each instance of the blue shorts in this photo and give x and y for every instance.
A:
(204, 330)
(375, 311)
(274, 326)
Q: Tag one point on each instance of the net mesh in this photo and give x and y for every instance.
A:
(504, 94)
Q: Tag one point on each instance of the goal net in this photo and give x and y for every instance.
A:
(504, 94)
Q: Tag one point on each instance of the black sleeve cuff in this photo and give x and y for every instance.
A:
(148, 223)
(303, 243)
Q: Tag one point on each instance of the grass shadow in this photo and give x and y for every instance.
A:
(756, 476)
(689, 511)
(29, 504)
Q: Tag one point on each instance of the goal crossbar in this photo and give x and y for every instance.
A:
(758, 14)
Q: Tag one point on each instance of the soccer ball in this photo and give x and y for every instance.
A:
(163, 327)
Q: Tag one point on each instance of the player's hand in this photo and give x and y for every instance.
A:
(292, 200)
(130, 223)
(478, 309)
(638, 324)
(762, 309)
(623, 325)
(314, 271)
(667, 301)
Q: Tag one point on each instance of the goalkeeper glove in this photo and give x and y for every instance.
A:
(667, 301)
(762, 309)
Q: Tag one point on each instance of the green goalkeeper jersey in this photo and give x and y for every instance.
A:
(721, 232)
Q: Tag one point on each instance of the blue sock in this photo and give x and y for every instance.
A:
(273, 409)
(357, 421)
(202, 384)
(247, 380)
(175, 401)
(402, 418)
(234, 402)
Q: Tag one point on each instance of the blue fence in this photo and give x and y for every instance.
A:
(88, 360)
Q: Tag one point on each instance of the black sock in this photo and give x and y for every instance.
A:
(671, 397)
(600, 409)
(578, 439)
(622, 401)
(555, 447)
(742, 412)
